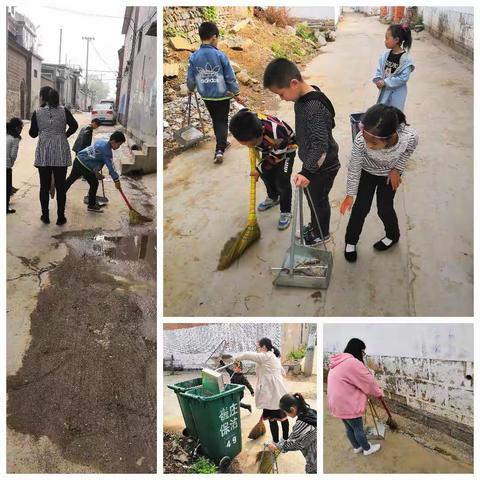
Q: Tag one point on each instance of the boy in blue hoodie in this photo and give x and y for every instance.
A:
(90, 161)
(209, 71)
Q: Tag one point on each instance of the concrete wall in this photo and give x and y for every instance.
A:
(317, 13)
(453, 25)
(427, 367)
(16, 74)
(192, 346)
(36, 82)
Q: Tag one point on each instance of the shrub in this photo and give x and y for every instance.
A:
(305, 32)
(278, 51)
(276, 15)
(297, 354)
(203, 465)
(210, 14)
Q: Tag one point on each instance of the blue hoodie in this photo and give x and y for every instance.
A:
(96, 156)
(210, 71)
(394, 93)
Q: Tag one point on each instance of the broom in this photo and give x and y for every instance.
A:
(267, 460)
(134, 217)
(390, 422)
(235, 247)
(258, 430)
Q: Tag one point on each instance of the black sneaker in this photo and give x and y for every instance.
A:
(45, 219)
(307, 229)
(312, 240)
(95, 208)
(218, 159)
(61, 221)
(10, 210)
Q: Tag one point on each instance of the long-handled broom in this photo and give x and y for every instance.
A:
(235, 247)
(258, 429)
(390, 422)
(134, 217)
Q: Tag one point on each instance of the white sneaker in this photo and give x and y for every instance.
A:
(358, 450)
(373, 448)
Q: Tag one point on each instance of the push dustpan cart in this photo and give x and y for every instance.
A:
(188, 135)
(304, 266)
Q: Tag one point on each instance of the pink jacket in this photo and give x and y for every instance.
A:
(348, 384)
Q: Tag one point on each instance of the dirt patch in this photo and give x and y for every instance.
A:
(88, 379)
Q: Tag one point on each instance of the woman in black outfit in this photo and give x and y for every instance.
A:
(52, 156)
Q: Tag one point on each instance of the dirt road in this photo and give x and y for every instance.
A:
(400, 452)
(291, 462)
(429, 273)
(81, 330)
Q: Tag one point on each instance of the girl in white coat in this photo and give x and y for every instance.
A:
(270, 385)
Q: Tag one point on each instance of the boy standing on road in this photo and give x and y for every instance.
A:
(209, 71)
(84, 138)
(317, 149)
(90, 161)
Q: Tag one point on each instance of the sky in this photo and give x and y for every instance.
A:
(77, 23)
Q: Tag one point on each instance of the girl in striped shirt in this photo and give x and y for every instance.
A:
(379, 156)
(304, 432)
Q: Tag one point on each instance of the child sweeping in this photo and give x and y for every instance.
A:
(238, 378)
(14, 129)
(379, 156)
(270, 386)
(349, 383)
(394, 67)
(275, 141)
(304, 432)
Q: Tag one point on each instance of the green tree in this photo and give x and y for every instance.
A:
(98, 88)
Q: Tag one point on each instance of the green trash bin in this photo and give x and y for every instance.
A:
(217, 421)
(181, 387)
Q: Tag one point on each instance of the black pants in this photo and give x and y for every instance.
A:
(78, 170)
(246, 406)
(59, 174)
(319, 188)
(385, 195)
(277, 181)
(219, 112)
(9, 186)
(274, 429)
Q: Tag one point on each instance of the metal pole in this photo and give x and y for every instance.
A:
(88, 39)
(130, 69)
(60, 49)
(310, 352)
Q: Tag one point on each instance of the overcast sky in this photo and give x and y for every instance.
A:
(77, 23)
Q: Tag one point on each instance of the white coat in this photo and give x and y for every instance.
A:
(270, 386)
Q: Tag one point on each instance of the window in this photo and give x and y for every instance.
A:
(35, 73)
(139, 40)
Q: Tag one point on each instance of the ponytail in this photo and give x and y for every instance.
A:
(383, 120)
(403, 33)
(296, 400)
(267, 343)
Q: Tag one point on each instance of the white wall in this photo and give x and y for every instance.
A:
(435, 341)
(317, 13)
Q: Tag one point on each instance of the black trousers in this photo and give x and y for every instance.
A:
(319, 188)
(59, 174)
(385, 195)
(9, 186)
(219, 110)
(78, 170)
(277, 181)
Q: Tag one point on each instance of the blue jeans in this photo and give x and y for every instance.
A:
(355, 433)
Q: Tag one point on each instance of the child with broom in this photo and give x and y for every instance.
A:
(317, 149)
(349, 383)
(270, 387)
(304, 432)
(90, 161)
(274, 139)
(238, 378)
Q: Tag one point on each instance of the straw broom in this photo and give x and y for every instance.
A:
(258, 430)
(235, 247)
(134, 217)
(266, 460)
(390, 422)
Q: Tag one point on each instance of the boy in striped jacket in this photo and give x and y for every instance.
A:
(275, 141)
(317, 149)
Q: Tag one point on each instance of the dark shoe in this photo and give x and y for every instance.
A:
(10, 210)
(14, 191)
(312, 240)
(218, 159)
(380, 246)
(61, 221)
(249, 408)
(95, 208)
(45, 219)
(350, 256)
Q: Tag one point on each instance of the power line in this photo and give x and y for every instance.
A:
(101, 58)
(75, 12)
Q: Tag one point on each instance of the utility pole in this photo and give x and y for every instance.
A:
(88, 39)
(130, 67)
(60, 49)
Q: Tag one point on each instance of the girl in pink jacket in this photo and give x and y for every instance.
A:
(348, 385)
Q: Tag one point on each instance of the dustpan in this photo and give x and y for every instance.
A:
(188, 135)
(304, 266)
(377, 431)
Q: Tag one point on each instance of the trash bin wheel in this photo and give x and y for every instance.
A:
(185, 432)
(224, 464)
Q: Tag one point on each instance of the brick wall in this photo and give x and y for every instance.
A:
(16, 72)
